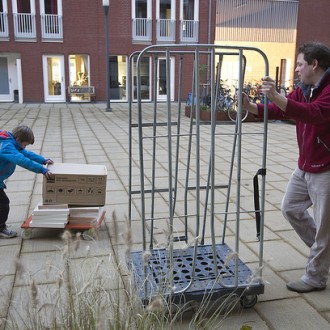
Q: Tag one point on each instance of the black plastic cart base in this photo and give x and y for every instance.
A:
(157, 279)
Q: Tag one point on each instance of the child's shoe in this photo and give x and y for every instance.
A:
(7, 233)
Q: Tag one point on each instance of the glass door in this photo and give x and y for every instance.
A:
(4, 80)
(54, 86)
(161, 80)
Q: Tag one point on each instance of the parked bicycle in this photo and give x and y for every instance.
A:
(228, 103)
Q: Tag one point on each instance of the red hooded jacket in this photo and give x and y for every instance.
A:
(311, 110)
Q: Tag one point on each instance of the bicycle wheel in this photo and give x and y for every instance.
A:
(232, 112)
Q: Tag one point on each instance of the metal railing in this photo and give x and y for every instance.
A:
(142, 29)
(24, 25)
(51, 26)
(189, 31)
(4, 33)
(165, 30)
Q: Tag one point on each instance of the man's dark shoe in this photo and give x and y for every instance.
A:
(302, 287)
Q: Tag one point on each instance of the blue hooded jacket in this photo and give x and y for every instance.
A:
(12, 154)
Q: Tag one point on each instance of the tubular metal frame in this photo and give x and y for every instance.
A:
(188, 272)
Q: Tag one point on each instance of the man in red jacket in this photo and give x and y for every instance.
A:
(309, 185)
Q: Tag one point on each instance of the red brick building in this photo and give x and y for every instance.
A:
(313, 20)
(48, 46)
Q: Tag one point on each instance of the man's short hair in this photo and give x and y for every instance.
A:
(23, 133)
(316, 51)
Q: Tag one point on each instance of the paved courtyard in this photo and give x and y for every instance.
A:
(86, 133)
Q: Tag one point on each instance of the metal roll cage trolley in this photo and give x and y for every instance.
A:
(172, 185)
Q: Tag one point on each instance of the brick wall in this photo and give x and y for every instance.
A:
(84, 33)
(313, 21)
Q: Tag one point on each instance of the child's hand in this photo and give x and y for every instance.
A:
(49, 161)
(49, 175)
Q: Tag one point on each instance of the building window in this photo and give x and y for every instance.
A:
(141, 20)
(24, 19)
(189, 24)
(165, 20)
(79, 70)
(145, 66)
(51, 19)
(4, 33)
(118, 70)
(79, 76)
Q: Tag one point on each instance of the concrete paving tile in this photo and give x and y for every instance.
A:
(280, 185)
(119, 162)
(327, 316)
(275, 254)
(35, 200)
(23, 175)
(292, 275)
(136, 229)
(50, 305)
(77, 155)
(114, 184)
(248, 231)
(245, 253)
(93, 148)
(9, 253)
(74, 160)
(6, 285)
(117, 154)
(99, 246)
(294, 240)
(294, 313)
(318, 299)
(274, 177)
(101, 272)
(17, 214)
(16, 185)
(19, 198)
(47, 241)
(42, 267)
(274, 197)
(275, 221)
(277, 169)
(247, 317)
(118, 211)
(275, 286)
(116, 197)
(102, 160)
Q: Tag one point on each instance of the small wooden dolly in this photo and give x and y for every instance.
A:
(86, 221)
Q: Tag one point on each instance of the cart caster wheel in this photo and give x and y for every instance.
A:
(88, 235)
(26, 233)
(248, 301)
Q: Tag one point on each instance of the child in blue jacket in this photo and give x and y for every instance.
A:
(12, 153)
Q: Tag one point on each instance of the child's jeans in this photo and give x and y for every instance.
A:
(4, 209)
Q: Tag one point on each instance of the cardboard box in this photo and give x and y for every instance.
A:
(75, 184)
